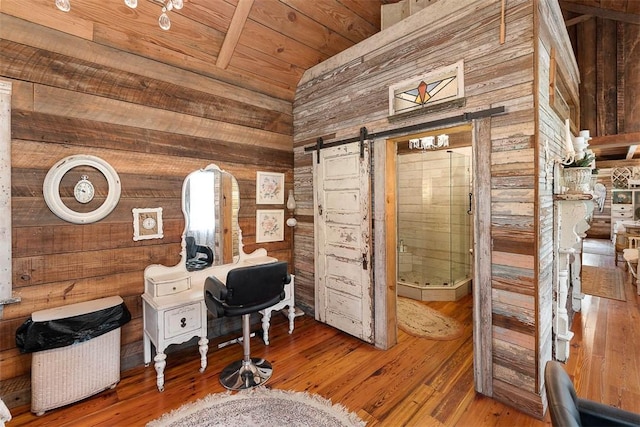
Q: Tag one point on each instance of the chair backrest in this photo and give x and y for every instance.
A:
(254, 285)
(563, 401)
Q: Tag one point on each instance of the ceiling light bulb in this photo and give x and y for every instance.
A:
(63, 5)
(131, 3)
(177, 4)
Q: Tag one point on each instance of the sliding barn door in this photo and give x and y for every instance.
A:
(343, 286)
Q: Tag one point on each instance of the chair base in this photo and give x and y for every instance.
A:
(243, 375)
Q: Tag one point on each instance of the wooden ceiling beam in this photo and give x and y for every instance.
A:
(630, 18)
(613, 141)
(578, 19)
(233, 33)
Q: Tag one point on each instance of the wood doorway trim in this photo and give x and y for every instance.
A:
(482, 319)
(385, 270)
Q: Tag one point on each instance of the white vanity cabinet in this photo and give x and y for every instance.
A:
(623, 206)
(173, 313)
(174, 310)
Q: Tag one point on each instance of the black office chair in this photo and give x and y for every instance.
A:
(247, 290)
(568, 410)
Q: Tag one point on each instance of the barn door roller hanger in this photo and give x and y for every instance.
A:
(365, 135)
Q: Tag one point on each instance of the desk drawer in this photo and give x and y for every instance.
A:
(622, 215)
(169, 286)
(621, 208)
(182, 320)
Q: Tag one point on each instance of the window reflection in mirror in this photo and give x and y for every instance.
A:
(210, 203)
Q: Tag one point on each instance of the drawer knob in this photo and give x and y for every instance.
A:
(183, 322)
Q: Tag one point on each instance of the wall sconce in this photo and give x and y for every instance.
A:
(291, 205)
(429, 142)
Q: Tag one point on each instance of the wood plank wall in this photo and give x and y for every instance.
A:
(608, 58)
(553, 45)
(154, 123)
(351, 90)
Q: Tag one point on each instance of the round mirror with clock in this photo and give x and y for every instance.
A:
(83, 208)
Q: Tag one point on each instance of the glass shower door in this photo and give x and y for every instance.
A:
(460, 217)
(434, 235)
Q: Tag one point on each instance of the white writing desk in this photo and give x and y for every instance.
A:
(174, 310)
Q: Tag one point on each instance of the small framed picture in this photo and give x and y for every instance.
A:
(147, 223)
(269, 188)
(269, 225)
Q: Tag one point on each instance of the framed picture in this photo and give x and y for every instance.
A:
(269, 225)
(269, 188)
(147, 223)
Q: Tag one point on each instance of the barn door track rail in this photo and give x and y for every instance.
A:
(365, 135)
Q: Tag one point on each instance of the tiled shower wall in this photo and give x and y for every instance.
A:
(433, 223)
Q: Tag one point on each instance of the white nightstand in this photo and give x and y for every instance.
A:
(173, 313)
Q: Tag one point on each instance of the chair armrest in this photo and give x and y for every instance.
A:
(215, 293)
(599, 414)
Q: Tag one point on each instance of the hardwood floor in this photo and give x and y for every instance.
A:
(419, 382)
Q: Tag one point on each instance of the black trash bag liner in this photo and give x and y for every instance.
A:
(37, 336)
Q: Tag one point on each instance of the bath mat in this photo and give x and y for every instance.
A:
(260, 407)
(419, 320)
(603, 282)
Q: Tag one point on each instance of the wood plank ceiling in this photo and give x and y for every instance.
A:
(264, 45)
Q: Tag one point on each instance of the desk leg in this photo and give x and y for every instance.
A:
(146, 344)
(292, 315)
(203, 348)
(161, 363)
(266, 321)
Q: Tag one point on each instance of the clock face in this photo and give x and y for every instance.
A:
(148, 223)
(83, 191)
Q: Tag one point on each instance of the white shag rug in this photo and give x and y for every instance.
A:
(260, 407)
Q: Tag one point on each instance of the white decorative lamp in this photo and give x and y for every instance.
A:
(291, 205)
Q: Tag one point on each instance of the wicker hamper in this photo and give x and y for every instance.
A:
(65, 375)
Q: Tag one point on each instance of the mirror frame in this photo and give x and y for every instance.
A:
(234, 229)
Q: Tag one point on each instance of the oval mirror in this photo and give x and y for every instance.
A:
(210, 202)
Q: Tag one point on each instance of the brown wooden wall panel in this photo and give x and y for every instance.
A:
(62, 237)
(520, 243)
(154, 124)
(598, 44)
(23, 62)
